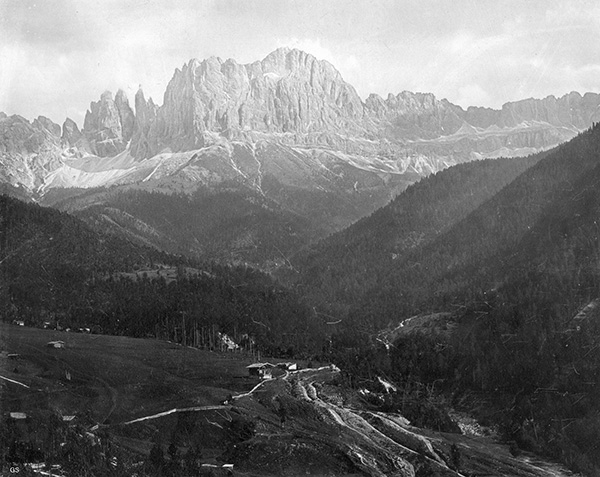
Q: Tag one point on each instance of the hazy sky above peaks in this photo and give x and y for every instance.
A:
(58, 55)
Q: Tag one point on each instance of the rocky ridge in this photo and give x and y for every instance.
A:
(288, 92)
(108, 124)
(292, 100)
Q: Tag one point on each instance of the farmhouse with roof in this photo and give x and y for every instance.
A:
(262, 370)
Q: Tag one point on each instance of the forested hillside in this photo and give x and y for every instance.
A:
(516, 285)
(55, 269)
(227, 225)
(336, 272)
(484, 250)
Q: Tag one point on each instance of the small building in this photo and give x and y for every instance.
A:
(68, 418)
(55, 344)
(19, 322)
(267, 373)
(288, 366)
(262, 370)
(18, 415)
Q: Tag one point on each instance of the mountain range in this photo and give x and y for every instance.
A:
(287, 129)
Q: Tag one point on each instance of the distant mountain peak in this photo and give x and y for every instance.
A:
(289, 91)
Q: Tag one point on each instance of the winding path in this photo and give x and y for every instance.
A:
(13, 381)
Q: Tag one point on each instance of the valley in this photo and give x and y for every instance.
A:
(433, 270)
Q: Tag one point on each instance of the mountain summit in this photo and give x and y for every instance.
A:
(287, 92)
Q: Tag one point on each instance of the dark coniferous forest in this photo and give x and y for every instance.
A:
(55, 269)
(229, 226)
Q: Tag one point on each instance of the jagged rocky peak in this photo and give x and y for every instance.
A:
(70, 132)
(28, 150)
(143, 141)
(482, 117)
(145, 110)
(108, 124)
(289, 91)
(46, 125)
(125, 114)
(293, 62)
(408, 101)
(375, 104)
(414, 115)
(569, 110)
(404, 102)
(422, 116)
(19, 136)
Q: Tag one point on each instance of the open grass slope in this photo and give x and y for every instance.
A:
(113, 378)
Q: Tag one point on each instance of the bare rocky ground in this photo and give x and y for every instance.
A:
(325, 430)
(143, 392)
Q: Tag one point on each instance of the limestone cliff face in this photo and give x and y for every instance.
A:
(288, 92)
(144, 141)
(571, 110)
(71, 135)
(19, 136)
(108, 124)
(416, 115)
(28, 151)
(482, 117)
(413, 115)
(126, 115)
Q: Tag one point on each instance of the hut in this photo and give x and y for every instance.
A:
(262, 370)
(55, 344)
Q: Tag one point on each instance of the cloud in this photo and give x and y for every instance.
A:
(472, 94)
(58, 55)
(51, 25)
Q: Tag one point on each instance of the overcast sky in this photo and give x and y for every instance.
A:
(58, 55)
